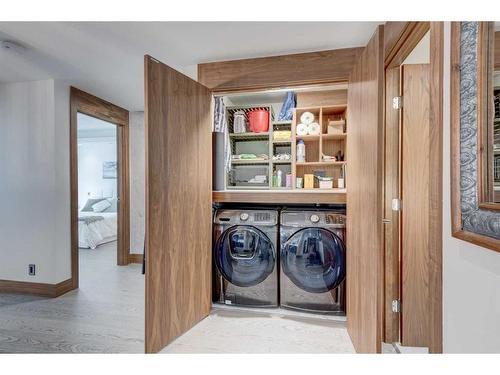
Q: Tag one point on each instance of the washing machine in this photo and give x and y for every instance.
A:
(245, 257)
(313, 261)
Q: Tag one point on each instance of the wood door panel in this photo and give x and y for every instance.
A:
(364, 199)
(415, 206)
(391, 191)
(178, 203)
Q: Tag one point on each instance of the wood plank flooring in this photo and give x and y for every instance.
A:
(106, 315)
(228, 330)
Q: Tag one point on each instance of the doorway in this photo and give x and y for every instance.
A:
(413, 189)
(100, 204)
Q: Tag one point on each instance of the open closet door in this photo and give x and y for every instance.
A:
(178, 203)
(415, 193)
(364, 199)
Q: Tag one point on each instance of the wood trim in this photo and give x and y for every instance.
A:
(88, 104)
(38, 289)
(485, 115)
(277, 71)
(410, 36)
(456, 212)
(436, 189)
(497, 51)
(278, 197)
(135, 258)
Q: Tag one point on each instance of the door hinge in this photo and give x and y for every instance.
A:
(396, 306)
(397, 102)
(396, 204)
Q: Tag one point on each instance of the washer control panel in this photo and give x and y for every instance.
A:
(244, 216)
(314, 218)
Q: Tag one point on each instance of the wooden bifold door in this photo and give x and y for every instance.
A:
(178, 203)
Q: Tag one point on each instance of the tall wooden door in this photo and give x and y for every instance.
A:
(178, 203)
(415, 211)
(365, 288)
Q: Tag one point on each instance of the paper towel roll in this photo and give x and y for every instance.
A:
(302, 129)
(307, 118)
(314, 129)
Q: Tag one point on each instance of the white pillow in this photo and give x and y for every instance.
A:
(101, 206)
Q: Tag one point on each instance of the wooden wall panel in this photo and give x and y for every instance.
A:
(416, 210)
(277, 71)
(391, 191)
(365, 287)
(178, 203)
(321, 98)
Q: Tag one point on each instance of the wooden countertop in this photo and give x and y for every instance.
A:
(302, 196)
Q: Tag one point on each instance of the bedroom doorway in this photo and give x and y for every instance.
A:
(99, 181)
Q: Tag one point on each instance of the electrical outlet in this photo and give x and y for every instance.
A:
(31, 269)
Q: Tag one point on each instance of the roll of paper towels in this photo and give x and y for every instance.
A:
(314, 129)
(307, 118)
(302, 129)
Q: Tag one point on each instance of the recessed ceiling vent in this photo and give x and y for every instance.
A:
(11, 46)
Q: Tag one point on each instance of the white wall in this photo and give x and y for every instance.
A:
(34, 188)
(92, 152)
(471, 274)
(137, 181)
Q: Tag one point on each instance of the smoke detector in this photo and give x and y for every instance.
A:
(11, 46)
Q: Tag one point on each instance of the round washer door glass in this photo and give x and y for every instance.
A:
(314, 259)
(244, 255)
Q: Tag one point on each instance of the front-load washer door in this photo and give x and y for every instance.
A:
(314, 259)
(244, 255)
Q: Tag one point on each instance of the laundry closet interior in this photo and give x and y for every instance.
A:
(265, 189)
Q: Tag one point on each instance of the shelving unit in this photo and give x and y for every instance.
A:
(322, 144)
(243, 171)
(333, 145)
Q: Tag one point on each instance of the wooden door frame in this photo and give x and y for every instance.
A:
(82, 102)
(408, 39)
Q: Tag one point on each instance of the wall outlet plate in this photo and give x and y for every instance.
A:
(31, 269)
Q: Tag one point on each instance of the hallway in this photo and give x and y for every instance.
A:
(106, 315)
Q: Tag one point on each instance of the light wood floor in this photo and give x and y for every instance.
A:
(106, 315)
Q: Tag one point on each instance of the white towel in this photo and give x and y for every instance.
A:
(307, 118)
(314, 129)
(302, 129)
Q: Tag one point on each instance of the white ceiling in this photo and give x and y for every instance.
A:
(106, 58)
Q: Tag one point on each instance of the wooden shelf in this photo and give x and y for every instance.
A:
(319, 163)
(308, 137)
(282, 196)
(334, 136)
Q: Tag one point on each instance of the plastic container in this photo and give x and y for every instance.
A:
(279, 178)
(258, 121)
(301, 152)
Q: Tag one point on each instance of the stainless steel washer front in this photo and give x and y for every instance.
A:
(313, 268)
(245, 257)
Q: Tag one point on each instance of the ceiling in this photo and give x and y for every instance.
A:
(106, 58)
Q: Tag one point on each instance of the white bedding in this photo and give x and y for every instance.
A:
(99, 232)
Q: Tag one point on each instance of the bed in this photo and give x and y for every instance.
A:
(97, 228)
